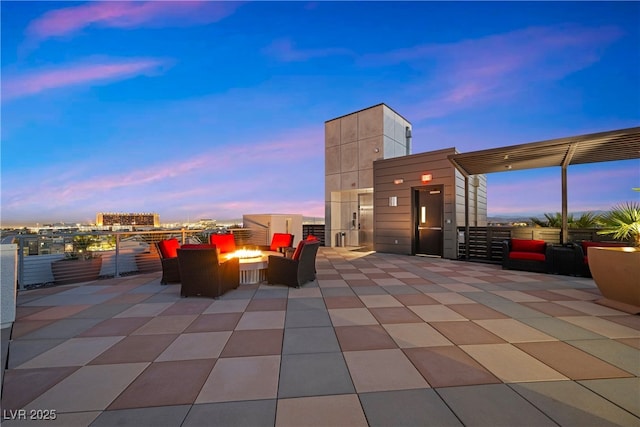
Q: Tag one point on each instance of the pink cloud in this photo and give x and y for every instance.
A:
(482, 70)
(284, 50)
(500, 53)
(30, 84)
(118, 14)
(229, 182)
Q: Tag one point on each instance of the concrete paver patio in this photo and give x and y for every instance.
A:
(377, 339)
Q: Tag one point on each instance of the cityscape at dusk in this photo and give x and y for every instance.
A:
(216, 109)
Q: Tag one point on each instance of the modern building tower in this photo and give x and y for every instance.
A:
(352, 143)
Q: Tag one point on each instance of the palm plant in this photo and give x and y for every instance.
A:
(586, 220)
(623, 222)
(552, 220)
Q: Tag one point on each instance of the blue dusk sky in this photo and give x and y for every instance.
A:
(216, 109)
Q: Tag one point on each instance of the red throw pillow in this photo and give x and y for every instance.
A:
(169, 248)
(224, 242)
(298, 251)
(521, 245)
(280, 240)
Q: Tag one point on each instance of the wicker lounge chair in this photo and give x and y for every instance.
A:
(203, 274)
(279, 243)
(169, 259)
(295, 271)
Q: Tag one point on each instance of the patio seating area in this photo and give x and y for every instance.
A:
(377, 339)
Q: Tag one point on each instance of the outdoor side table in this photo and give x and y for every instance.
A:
(563, 260)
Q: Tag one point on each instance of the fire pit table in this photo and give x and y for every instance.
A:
(253, 265)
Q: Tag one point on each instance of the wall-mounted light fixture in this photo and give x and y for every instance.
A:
(426, 177)
(398, 181)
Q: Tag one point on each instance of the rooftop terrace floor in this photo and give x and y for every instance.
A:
(378, 339)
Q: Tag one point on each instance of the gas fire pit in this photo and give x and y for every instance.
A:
(253, 265)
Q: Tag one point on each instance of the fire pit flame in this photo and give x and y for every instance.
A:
(246, 254)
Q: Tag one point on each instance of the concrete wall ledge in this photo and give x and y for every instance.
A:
(8, 283)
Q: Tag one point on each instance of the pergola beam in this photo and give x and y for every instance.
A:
(615, 145)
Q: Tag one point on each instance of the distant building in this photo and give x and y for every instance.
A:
(127, 220)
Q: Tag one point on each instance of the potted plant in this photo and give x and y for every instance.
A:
(80, 265)
(616, 270)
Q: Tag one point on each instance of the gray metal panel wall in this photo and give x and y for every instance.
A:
(393, 225)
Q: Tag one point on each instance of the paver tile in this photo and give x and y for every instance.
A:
(73, 394)
(408, 335)
(382, 370)
(511, 364)
(492, 405)
(449, 367)
(568, 403)
(321, 411)
(244, 378)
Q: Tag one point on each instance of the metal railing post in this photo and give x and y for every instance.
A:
(117, 272)
(21, 263)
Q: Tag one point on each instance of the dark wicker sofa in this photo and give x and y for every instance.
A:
(526, 255)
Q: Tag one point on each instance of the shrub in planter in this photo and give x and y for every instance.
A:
(616, 270)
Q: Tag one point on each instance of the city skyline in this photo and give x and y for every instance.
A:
(217, 109)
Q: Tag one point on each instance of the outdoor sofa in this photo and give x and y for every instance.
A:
(527, 255)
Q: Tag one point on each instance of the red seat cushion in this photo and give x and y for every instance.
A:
(224, 242)
(296, 254)
(534, 256)
(522, 245)
(281, 240)
(169, 248)
(312, 238)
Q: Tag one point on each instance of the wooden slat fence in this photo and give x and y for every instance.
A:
(485, 243)
(314, 229)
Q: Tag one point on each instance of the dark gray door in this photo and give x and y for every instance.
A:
(429, 206)
(365, 220)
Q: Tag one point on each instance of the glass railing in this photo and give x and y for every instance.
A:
(64, 258)
(56, 259)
